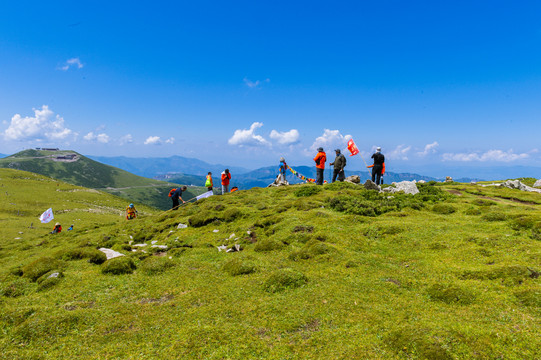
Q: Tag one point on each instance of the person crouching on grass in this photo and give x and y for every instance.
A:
(177, 195)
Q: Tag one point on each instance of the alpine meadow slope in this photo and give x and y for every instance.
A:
(74, 168)
(323, 272)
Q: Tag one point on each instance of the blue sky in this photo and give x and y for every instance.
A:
(435, 84)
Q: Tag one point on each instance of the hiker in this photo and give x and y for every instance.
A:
(176, 195)
(208, 183)
(283, 168)
(131, 212)
(226, 176)
(57, 228)
(70, 228)
(378, 166)
(320, 160)
(339, 164)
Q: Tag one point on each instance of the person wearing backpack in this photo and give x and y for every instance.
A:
(177, 195)
(339, 164)
(320, 160)
(208, 183)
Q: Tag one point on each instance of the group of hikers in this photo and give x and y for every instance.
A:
(339, 163)
(378, 168)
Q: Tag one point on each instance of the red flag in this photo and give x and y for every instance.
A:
(352, 147)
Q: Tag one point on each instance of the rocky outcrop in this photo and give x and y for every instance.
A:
(354, 179)
(408, 187)
(515, 184)
(537, 183)
(370, 185)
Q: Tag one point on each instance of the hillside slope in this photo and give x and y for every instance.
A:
(324, 272)
(77, 169)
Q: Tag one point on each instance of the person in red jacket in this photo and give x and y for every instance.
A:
(320, 160)
(226, 176)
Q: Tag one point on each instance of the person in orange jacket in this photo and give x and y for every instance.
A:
(226, 176)
(208, 182)
(320, 160)
(57, 228)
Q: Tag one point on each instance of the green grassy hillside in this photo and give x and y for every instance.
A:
(83, 171)
(330, 272)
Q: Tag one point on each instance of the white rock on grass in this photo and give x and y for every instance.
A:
(160, 246)
(408, 187)
(139, 245)
(110, 254)
(154, 242)
(516, 184)
(182, 226)
(537, 183)
(215, 230)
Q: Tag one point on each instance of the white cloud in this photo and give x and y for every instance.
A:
(126, 139)
(170, 140)
(44, 125)
(254, 84)
(248, 137)
(285, 138)
(429, 149)
(491, 155)
(101, 138)
(73, 62)
(400, 152)
(330, 140)
(153, 140)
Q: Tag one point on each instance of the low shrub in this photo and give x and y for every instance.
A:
(94, 256)
(15, 287)
(307, 190)
(284, 279)
(155, 265)
(472, 211)
(39, 267)
(482, 202)
(237, 266)
(119, 265)
(451, 294)
(49, 280)
(524, 222)
(443, 209)
(529, 297)
(514, 273)
(232, 214)
(201, 219)
(177, 252)
(267, 245)
(311, 249)
(494, 216)
(415, 343)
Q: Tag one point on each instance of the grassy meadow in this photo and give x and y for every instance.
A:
(329, 272)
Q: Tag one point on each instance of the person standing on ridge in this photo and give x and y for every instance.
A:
(339, 164)
(226, 176)
(208, 183)
(320, 160)
(283, 168)
(378, 166)
(131, 212)
(176, 196)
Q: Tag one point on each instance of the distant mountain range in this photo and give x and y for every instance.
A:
(152, 167)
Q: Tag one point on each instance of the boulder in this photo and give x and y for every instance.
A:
(111, 254)
(279, 181)
(408, 187)
(537, 183)
(354, 179)
(370, 185)
(516, 184)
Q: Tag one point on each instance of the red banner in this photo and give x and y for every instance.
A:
(352, 147)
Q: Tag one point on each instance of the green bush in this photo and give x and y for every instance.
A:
(15, 287)
(39, 267)
(232, 214)
(311, 249)
(494, 216)
(267, 245)
(451, 294)
(514, 273)
(201, 219)
(482, 202)
(444, 209)
(524, 222)
(307, 190)
(94, 256)
(47, 282)
(119, 265)
(155, 265)
(237, 266)
(284, 279)
(472, 211)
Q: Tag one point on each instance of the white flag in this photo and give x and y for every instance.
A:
(204, 195)
(47, 216)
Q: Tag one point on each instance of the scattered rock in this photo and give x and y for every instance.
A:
(215, 230)
(154, 242)
(370, 185)
(537, 183)
(111, 254)
(516, 184)
(139, 245)
(408, 187)
(182, 226)
(279, 181)
(160, 246)
(354, 179)
(53, 275)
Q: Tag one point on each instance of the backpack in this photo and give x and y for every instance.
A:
(171, 192)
